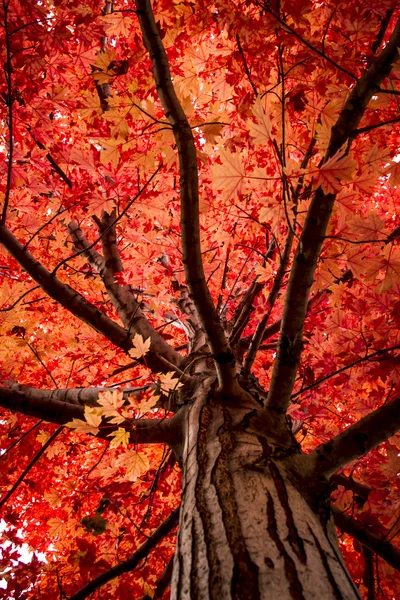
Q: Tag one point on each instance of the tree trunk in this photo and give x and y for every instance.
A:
(251, 526)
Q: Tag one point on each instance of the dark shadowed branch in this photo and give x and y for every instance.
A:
(131, 563)
(382, 30)
(374, 542)
(356, 440)
(313, 234)
(189, 192)
(358, 488)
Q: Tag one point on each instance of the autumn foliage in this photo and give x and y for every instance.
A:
(90, 187)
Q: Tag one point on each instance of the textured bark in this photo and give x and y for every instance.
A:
(250, 528)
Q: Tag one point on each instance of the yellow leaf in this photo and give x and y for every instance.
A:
(168, 381)
(140, 346)
(43, 436)
(110, 401)
(91, 423)
(82, 426)
(101, 77)
(93, 416)
(135, 464)
(57, 528)
(264, 273)
(146, 405)
(121, 436)
(52, 497)
(56, 449)
(118, 24)
(335, 169)
(369, 228)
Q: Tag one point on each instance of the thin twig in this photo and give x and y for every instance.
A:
(30, 465)
(9, 103)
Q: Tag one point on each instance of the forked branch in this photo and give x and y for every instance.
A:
(189, 192)
(313, 234)
(356, 440)
(79, 306)
(122, 297)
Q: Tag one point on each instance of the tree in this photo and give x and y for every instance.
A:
(200, 275)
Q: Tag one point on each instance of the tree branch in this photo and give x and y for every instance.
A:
(190, 229)
(382, 30)
(368, 576)
(359, 489)
(345, 368)
(31, 464)
(272, 296)
(53, 163)
(121, 296)
(131, 563)
(246, 67)
(356, 440)
(48, 406)
(374, 542)
(162, 582)
(320, 53)
(313, 234)
(9, 101)
(79, 306)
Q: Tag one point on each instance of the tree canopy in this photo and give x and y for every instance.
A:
(185, 181)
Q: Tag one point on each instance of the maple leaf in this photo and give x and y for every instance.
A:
(104, 62)
(336, 169)
(52, 497)
(91, 423)
(264, 273)
(56, 449)
(140, 346)
(145, 404)
(91, 106)
(43, 436)
(168, 382)
(121, 436)
(211, 131)
(118, 23)
(135, 464)
(343, 497)
(390, 266)
(110, 401)
(394, 172)
(367, 229)
(57, 528)
(110, 152)
(229, 176)
(260, 131)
